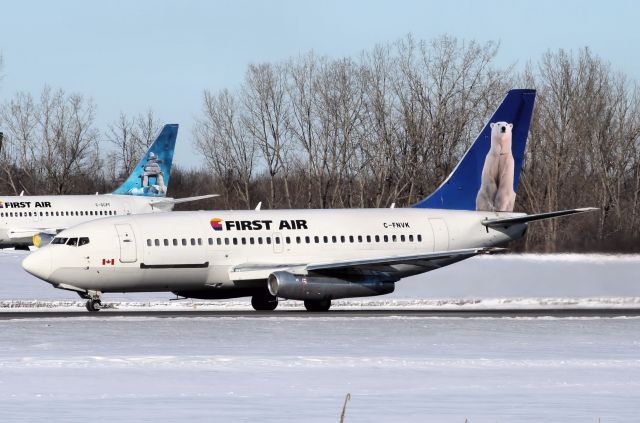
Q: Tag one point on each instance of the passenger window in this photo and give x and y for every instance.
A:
(157, 242)
(419, 238)
(333, 239)
(307, 239)
(184, 241)
(251, 241)
(351, 239)
(316, 239)
(268, 240)
(368, 238)
(40, 214)
(386, 238)
(83, 241)
(359, 238)
(277, 240)
(166, 242)
(260, 240)
(219, 241)
(175, 242)
(401, 238)
(149, 243)
(193, 241)
(244, 241)
(342, 238)
(199, 241)
(226, 241)
(298, 240)
(410, 238)
(288, 240)
(73, 242)
(377, 238)
(394, 238)
(210, 241)
(326, 239)
(235, 241)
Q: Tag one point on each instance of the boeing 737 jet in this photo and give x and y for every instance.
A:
(311, 255)
(34, 220)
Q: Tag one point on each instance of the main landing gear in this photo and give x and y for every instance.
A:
(264, 302)
(317, 305)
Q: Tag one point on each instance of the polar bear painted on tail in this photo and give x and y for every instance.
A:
(496, 189)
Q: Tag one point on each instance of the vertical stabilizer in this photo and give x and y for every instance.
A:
(487, 177)
(151, 176)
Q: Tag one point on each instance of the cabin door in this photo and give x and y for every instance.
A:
(440, 235)
(128, 249)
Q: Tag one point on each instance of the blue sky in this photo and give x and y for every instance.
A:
(133, 55)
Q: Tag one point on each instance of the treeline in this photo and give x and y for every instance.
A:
(385, 127)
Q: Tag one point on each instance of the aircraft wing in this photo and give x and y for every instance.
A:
(370, 266)
(165, 201)
(16, 233)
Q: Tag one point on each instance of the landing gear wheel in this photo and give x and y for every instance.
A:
(319, 305)
(94, 305)
(264, 302)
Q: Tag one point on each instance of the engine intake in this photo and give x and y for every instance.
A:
(304, 287)
(41, 239)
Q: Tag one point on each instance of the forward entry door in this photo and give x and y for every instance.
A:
(128, 249)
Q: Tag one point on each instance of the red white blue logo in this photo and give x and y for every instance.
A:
(216, 224)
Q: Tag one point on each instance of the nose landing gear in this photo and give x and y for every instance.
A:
(94, 302)
(93, 305)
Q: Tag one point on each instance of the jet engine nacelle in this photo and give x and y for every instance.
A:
(41, 239)
(305, 287)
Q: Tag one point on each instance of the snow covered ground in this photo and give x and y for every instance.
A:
(299, 368)
(267, 369)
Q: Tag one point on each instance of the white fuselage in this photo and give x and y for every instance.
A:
(194, 251)
(21, 217)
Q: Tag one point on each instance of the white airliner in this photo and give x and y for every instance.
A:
(310, 255)
(34, 220)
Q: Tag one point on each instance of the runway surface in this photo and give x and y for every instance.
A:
(503, 313)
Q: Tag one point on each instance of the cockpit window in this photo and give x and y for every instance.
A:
(83, 241)
(73, 242)
(59, 240)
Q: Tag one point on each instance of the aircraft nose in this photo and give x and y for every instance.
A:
(38, 263)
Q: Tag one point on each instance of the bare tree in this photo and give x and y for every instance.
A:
(266, 117)
(222, 139)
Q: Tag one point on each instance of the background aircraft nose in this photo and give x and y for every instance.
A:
(38, 263)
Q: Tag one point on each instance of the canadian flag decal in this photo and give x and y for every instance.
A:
(108, 261)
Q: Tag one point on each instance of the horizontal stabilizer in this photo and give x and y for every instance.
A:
(533, 217)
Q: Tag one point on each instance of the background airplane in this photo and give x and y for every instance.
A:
(34, 219)
(310, 255)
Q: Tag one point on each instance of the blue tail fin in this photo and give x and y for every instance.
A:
(475, 183)
(151, 176)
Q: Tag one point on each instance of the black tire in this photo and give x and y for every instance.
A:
(264, 302)
(317, 305)
(93, 305)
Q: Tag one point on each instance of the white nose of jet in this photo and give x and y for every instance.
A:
(38, 263)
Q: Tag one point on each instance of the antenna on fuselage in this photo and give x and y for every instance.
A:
(259, 206)
(393, 206)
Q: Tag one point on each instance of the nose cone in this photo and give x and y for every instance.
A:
(38, 263)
